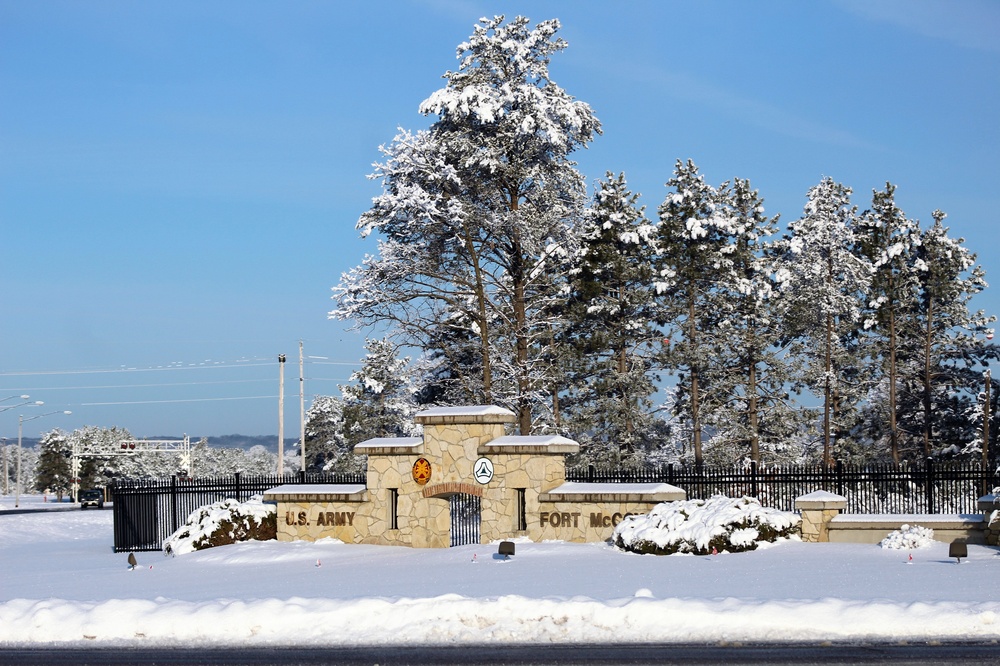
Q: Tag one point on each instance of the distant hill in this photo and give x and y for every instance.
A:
(235, 441)
(270, 442)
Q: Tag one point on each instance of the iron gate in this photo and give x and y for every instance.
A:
(464, 519)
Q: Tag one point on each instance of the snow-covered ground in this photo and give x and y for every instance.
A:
(61, 583)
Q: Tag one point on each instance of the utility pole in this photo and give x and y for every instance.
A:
(281, 414)
(6, 486)
(302, 409)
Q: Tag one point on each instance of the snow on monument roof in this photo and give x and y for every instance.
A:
(379, 442)
(531, 440)
(466, 410)
(586, 488)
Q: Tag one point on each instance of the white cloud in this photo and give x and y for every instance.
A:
(973, 24)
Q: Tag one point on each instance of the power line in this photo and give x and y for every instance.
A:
(117, 386)
(193, 366)
(157, 402)
(205, 365)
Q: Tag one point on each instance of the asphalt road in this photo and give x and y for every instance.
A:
(563, 655)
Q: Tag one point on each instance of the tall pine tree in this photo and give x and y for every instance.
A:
(944, 375)
(613, 333)
(475, 209)
(825, 283)
(693, 235)
(749, 405)
(889, 242)
(380, 401)
(52, 472)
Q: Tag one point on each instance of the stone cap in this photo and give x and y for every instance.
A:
(893, 521)
(821, 499)
(578, 491)
(465, 414)
(530, 444)
(989, 502)
(317, 492)
(388, 446)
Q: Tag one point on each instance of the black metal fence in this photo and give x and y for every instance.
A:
(927, 488)
(147, 511)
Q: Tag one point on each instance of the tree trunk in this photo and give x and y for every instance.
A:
(927, 402)
(695, 398)
(519, 282)
(481, 320)
(753, 417)
(893, 428)
(827, 392)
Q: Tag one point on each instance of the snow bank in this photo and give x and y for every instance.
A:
(449, 619)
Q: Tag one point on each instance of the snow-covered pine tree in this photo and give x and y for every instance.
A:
(825, 283)
(944, 377)
(52, 470)
(693, 235)
(749, 405)
(611, 327)
(380, 401)
(474, 209)
(327, 445)
(889, 241)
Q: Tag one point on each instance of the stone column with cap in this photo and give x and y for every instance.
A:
(818, 509)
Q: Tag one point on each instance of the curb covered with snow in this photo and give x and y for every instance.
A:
(510, 619)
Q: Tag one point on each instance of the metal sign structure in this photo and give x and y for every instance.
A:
(128, 447)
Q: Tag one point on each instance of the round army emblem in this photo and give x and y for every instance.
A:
(483, 470)
(421, 471)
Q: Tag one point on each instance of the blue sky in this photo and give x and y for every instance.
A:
(179, 182)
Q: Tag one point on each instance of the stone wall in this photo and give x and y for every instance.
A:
(527, 495)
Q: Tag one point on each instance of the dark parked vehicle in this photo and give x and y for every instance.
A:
(92, 497)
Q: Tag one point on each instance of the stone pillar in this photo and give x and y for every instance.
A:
(818, 509)
(990, 506)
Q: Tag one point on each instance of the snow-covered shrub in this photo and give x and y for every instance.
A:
(701, 526)
(225, 522)
(909, 537)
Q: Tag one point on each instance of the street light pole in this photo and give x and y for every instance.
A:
(302, 410)
(281, 414)
(20, 428)
(20, 404)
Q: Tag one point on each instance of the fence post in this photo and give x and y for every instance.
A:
(173, 504)
(239, 497)
(753, 479)
(590, 473)
(670, 473)
(840, 477)
(930, 485)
